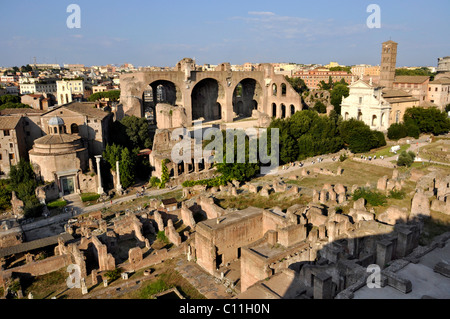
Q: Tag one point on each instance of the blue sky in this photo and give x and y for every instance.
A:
(160, 33)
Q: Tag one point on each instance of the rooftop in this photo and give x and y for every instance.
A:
(389, 93)
(36, 244)
(57, 139)
(9, 122)
(232, 218)
(416, 79)
(85, 108)
(20, 111)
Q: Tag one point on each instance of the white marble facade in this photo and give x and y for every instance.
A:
(365, 103)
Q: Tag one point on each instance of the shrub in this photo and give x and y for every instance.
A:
(406, 159)
(412, 129)
(113, 274)
(57, 203)
(153, 288)
(343, 157)
(373, 198)
(89, 197)
(154, 182)
(397, 131)
(212, 182)
(379, 139)
(395, 194)
(162, 237)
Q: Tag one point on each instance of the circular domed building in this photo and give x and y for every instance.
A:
(60, 157)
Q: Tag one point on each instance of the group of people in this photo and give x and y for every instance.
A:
(369, 158)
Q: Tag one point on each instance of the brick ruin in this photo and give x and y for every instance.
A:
(317, 251)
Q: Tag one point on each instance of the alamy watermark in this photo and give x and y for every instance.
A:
(74, 279)
(374, 20)
(374, 279)
(256, 139)
(74, 19)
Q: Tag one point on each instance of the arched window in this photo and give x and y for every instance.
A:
(74, 129)
(346, 116)
(292, 109)
(274, 89)
(55, 130)
(283, 89)
(274, 110)
(283, 111)
(374, 120)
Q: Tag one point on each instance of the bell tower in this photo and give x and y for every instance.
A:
(388, 63)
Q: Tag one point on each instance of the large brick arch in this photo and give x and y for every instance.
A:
(185, 80)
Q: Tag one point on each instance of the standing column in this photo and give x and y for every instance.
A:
(119, 185)
(100, 188)
(196, 167)
(186, 168)
(175, 169)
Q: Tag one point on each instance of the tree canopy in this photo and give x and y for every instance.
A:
(297, 84)
(430, 120)
(113, 95)
(306, 134)
(23, 180)
(339, 90)
(11, 102)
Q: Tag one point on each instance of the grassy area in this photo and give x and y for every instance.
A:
(153, 288)
(255, 200)
(355, 173)
(59, 203)
(386, 151)
(169, 278)
(46, 286)
(89, 197)
(437, 151)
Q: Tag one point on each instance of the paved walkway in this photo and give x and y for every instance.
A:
(201, 280)
(62, 218)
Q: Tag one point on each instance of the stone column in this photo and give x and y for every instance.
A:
(322, 286)
(175, 170)
(186, 168)
(196, 167)
(100, 188)
(384, 253)
(119, 185)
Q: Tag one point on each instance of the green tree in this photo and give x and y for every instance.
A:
(23, 181)
(237, 171)
(297, 84)
(127, 168)
(132, 132)
(447, 108)
(340, 90)
(5, 195)
(9, 99)
(112, 154)
(429, 120)
(406, 159)
(319, 107)
(347, 69)
(113, 95)
(397, 131)
(346, 128)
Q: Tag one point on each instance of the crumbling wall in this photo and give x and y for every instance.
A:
(105, 261)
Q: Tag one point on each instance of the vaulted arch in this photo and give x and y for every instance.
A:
(205, 100)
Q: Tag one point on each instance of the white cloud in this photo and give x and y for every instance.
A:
(269, 24)
(261, 13)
